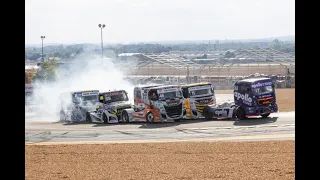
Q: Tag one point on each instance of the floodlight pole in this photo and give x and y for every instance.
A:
(42, 38)
(101, 26)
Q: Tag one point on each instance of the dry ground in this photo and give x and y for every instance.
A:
(263, 160)
(285, 98)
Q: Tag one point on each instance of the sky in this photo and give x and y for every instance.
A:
(129, 21)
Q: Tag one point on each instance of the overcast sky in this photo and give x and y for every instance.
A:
(76, 21)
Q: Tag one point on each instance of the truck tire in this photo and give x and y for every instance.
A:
(265, 115)
(88, 118)
(125, 116)
(150, 117)
(207, 114)
(240, 113)
(104, 118)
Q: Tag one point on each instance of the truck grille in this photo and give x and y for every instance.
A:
(173, 111)
(200, 106)
(265, 101)
(119, 109)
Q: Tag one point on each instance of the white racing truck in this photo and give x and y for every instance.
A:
(111, 105)
(75, 106)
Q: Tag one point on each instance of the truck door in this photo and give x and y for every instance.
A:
(138, 99)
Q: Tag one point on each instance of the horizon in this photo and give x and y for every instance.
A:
(222, 41)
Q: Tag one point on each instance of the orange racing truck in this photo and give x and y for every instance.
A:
(156, 104)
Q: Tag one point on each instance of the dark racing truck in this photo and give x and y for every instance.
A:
(255, 97)
(252, 97)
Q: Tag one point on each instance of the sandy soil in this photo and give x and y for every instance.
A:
(211, 160)
(285, 98)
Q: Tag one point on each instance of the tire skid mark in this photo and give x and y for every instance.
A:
(43, 138)
(131, 134)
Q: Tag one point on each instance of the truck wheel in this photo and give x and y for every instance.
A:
(265, 115)
(88, 118)
(150, 117)
(125, 116)
(177, 120)
(240, 113)
(104, 118)
(206, 113)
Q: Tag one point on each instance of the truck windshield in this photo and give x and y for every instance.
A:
(93, 98)
(170, 95)
(201, 92)
(262, 90)
(115, 96)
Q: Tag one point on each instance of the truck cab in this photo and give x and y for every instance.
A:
(196, 97)
(140, 95)
(76, 105)
(255, 97)
(111, 105)
(157, 104)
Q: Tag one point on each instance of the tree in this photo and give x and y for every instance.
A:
(229, 55)
(47, 71)
(276, 44)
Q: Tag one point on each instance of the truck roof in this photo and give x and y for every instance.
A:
(71, 92)
(195, 84)
(252, 80)
(148, 86)
(112, 91)
(164, 86)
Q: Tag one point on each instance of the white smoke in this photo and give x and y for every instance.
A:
(85, 73)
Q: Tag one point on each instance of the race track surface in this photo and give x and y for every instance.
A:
(48, 131)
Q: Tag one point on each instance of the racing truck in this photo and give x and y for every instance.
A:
(112, 103)
(252, 97)
(156, 104)
(75, 106)
(196, 97)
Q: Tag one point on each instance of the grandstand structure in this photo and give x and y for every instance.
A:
(243, 63)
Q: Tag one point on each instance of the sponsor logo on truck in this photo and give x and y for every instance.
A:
(221, 112)
(167, 90)
(246, 99)
(261, 84)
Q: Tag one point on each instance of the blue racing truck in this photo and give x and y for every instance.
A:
(252, 97)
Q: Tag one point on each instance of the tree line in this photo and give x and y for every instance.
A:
(71, 51)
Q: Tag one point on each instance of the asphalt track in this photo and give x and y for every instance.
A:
(49, 131)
